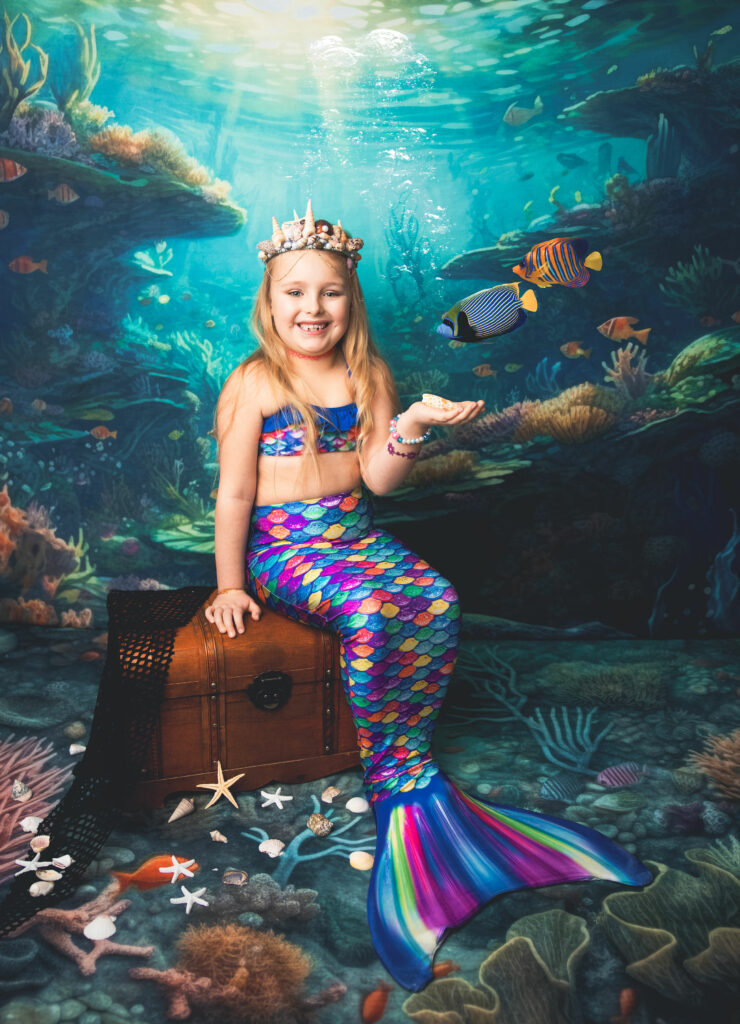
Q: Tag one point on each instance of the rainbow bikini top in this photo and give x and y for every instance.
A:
(336, 431)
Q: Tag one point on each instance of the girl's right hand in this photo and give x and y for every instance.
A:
(227, 611)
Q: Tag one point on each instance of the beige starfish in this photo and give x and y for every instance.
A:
(221, 787)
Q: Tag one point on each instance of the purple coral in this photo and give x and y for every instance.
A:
(96, 362)
(42, 130)
(496, 426)
(633, 381)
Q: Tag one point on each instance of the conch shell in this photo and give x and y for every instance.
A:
(186, 806)
(218, 837)
(309, 228)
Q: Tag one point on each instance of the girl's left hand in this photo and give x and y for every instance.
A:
(418, 417)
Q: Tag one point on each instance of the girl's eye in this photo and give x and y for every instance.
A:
(296, 291)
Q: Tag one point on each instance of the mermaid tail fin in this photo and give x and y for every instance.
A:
(442, 854)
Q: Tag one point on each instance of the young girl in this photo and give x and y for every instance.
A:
(301, 425)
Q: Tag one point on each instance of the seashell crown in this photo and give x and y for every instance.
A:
(307, 233)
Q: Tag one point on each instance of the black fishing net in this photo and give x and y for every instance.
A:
(141, 641)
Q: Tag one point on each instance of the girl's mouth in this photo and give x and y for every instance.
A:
(313, 329)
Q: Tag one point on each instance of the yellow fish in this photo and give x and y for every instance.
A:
(164, 299)
(158, 327)
(513, 367)
(578, 197)
(175, 435)
(722, 31)
(95, 414)
(210, 323)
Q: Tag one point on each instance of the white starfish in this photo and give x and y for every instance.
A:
(179, 867)
(274, 798)
(221, 787)
(32, 865)
(189, 898)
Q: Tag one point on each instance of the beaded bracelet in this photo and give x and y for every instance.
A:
(404, 455)
(403, 440)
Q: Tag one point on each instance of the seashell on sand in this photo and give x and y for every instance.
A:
(361, 860)
(320, 825)
(21, 791)
(101, 927)
(31, 823)
(218, 837)
(62, 862)
(272, 846)
(357, 804)
(186, 806)
(329, 793)
(40, 888)
(39, 843)
(235, 876)
(77, 748)
(48, 875)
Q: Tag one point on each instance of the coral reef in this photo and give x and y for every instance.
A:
(715, 353)
(14, 70)
(720, 762)
(25, 759)
(680, 935)
(238, 973)
(442, 469)
(75, 68)
(493, 427)
(578, 414)
(632, 381)
(526, 979)
(57, 927)
(157, 149)
(41, 130)
(641, 685)
(698, 286)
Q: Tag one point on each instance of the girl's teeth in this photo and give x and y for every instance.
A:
(311, 330)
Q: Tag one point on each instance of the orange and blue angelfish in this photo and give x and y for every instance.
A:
(564, 260)
(487, 313)
(619, 328)
(148, 875)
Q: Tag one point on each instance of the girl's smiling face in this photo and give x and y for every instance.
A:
(309, 289)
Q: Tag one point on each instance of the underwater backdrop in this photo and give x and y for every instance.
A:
(586, 152)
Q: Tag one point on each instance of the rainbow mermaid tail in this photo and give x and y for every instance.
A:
(440, 854)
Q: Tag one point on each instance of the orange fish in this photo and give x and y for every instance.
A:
(708, 321)
(100, 432)
(627, 1004)
(25, 265)
(62, 193)
(89, 656)
(620, 328)
(444, 968)
(736, 317)
(572, 350)
(484, 370)
(148, 875)
(373, 1005)
(10, 170)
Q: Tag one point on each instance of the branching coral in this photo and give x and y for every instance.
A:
(697, 286)
(14, 70)
(720, 761)
(75, 68)
(632, 381)
(158, 149)
(441, 469)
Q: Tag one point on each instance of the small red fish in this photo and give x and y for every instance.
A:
(25, 265)
(620, 328)
(484, 370)
(148, 875)
(101, 432)
(89, 656)
(10, 170)
(374, 1003)
(573, 349)
(627, 1005)
(441, 970)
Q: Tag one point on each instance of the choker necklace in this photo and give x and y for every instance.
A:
(303, 355)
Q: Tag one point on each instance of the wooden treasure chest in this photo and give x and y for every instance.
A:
(268, 702)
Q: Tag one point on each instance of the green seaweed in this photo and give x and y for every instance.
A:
(75, 69)
(697, 286)
(14, 70)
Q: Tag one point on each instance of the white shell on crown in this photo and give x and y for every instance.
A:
(101, 927)
(272, 846)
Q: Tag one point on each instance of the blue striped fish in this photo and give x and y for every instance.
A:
(487, 313)
(563, 787)
(563, 260)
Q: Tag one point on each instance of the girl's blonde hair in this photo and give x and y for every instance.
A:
(363, 359)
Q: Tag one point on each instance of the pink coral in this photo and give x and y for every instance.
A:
(633, 381)
(25, 759)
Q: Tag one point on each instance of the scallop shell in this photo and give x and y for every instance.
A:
(48, 875)
(40, 888)
(218, 837)
(272, 846)
(357, 804)
(21, 791)
(235, 876)
(320, 825)
(31, 823)
(361, 860)
(329, 793)
(101, 927)
(39, 843)
(63, 861)
(77, 748)
(186, 806)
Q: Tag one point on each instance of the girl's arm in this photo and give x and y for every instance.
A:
(386, 463)
(239, 441)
